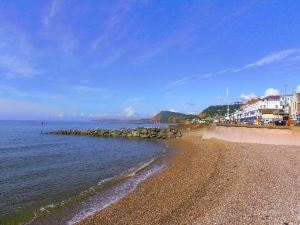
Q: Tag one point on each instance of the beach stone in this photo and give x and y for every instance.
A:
(144, 131)
(135, 133)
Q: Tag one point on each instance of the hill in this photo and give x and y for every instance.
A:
(218, 110)
(171, 117)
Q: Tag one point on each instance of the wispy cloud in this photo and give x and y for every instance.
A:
(113, 26)
(185, 35)
(9, 90)
(272, 58)
(232, 16)
(17, 56)
(112, 42)
(178, 82)
(51, 12)
(114, 56)
(14, 66)
(181, 37)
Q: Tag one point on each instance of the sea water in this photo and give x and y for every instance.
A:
(52, 179)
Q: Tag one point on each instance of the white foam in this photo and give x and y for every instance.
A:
(118, 193)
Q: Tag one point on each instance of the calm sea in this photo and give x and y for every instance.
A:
(50, 179)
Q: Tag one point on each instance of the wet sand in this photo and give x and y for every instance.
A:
(215, 182)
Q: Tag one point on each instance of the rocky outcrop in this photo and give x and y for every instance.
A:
(153, 133)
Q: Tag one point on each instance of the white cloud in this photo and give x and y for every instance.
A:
(172, 110)
(274, 57)
(298, 89)
(129, 111)
(271, 91)
(246, 97)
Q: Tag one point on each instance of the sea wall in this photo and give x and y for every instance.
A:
(253, 135)
(153, 133)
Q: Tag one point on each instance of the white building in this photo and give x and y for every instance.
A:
(295, 106)
(255, 109)
(286, 102)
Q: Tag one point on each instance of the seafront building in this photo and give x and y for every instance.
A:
(269, 109)
(295, 107)
(257, 110)
(286, 102)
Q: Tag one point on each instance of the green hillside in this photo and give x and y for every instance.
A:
(218, 110)
(171, 117)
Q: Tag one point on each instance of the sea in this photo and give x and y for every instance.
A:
(56, 179)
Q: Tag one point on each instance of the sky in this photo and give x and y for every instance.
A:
(82, 60)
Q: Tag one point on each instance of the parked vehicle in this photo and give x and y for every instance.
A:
(280, 122)
(298, 120)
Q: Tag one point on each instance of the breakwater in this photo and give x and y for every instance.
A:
(153, 133)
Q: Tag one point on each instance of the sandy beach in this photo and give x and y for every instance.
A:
(213, 181)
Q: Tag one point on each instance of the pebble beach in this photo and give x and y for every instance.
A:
(215, 182)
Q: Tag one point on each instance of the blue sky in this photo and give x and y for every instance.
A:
(73, 59)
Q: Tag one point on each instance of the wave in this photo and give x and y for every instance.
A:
(117, 193)
(113, 188)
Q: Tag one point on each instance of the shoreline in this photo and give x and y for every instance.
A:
(108, 191)
(149, 169)
(214, 181)
(148, 193)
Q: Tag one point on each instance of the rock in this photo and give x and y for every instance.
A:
(144, 131)
(153, 133)
(135, 133)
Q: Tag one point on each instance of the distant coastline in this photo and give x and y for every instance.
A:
(166, 117)
(120, 121)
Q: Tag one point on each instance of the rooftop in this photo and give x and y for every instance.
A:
(272, 98)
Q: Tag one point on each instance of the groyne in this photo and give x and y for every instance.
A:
(152, 133)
